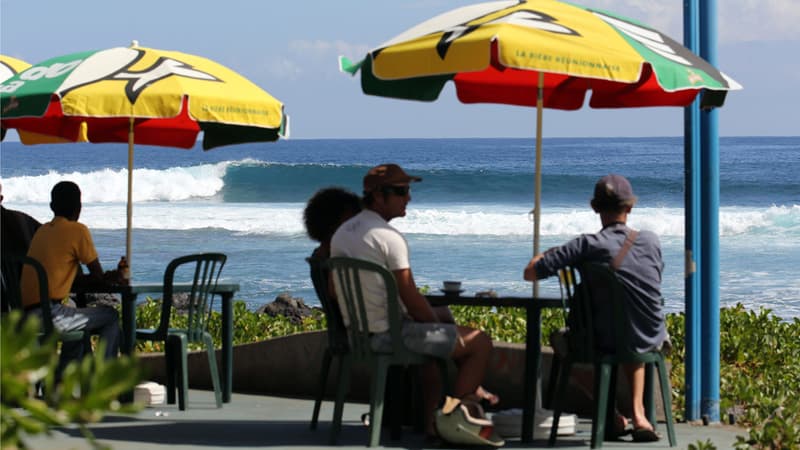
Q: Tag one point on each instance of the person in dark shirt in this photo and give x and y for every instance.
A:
(639, 269)
(17, 230)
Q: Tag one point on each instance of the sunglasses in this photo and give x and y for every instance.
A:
(400, 191)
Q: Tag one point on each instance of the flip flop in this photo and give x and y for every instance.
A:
(616, 435)
(644, 435)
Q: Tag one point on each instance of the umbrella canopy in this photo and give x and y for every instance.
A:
(489, 50)
(8, 68)
(170, 96)
(542, 53)
(140, 96)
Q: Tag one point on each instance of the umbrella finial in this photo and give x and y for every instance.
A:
(134, 43)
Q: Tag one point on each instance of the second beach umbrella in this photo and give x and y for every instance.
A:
(541, 53)
(140, 95)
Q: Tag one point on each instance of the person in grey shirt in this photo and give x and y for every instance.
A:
(639, 271)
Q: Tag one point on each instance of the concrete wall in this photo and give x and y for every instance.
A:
(290, 366)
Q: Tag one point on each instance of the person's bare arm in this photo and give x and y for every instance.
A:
(416, 304)
(96, 274)
(95, 270)
(530, 273)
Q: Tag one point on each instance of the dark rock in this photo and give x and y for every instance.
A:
(290, 307)
(180, 301)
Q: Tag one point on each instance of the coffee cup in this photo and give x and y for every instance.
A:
(451, 286)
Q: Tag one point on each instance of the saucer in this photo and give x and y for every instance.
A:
(447, 292)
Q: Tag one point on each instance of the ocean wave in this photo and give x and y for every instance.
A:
(779, 223)
(111, 186)
(254, 180)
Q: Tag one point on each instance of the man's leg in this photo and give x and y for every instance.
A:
(104, 321)
(100, 320)
(471, 354)
(635, 374)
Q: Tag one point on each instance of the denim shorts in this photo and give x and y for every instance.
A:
(427, 338)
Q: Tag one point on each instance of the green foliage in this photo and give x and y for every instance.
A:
(248, 326)
(759, 374)
(87, 391)
(700, 445)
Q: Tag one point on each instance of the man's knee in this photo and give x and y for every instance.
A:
(475, 341)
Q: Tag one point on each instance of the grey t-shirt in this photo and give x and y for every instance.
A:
(640, 273)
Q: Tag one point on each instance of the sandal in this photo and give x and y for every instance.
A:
(645, 435)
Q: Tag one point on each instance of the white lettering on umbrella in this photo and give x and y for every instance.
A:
(649, 38)
(54, 71)
(11, 86)
(37, 73)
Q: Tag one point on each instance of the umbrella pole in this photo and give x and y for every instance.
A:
(129, 226)
(538, 174)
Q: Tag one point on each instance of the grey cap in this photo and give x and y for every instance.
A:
(612, 191)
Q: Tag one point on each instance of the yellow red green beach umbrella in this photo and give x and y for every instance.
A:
(140, 95)
(542, 53)
(493, 52)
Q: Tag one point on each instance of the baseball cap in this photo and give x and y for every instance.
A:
(612, 191)
(386, 175)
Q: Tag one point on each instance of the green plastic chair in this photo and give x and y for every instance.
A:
(348, 274)
(582, 349)
(12, 291)
(337, 334)
(207, 268)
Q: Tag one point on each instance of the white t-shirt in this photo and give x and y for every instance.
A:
(369, 237)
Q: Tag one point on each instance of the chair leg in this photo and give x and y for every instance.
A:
(563, 380)
(666, 397)
(603, 377)
(212, 366)
(611, 405)
(649, 400)
(343, 385)
(394, 400)
(179, 341)
(326, 367)
(170, 357)
(555, 365)
(378, 390)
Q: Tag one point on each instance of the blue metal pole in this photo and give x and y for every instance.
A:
(709, 232)
(693, 260)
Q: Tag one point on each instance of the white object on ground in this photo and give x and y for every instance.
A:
(508, 423)
(149, 393)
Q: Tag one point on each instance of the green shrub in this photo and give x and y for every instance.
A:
(248, 326)
(87, 391)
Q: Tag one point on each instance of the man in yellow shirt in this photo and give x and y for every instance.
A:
(61, 246)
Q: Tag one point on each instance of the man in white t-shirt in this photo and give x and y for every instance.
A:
(369, 236)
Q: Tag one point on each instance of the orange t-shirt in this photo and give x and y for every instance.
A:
(60, 246)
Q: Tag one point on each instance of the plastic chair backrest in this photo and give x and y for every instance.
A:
(602, 281)
(12, 273)
(579, 320)
(349, 275)
(207, 268)
(337, 334)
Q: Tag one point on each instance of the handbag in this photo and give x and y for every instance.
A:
(464, 422)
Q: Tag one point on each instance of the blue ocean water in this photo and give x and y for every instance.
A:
(469, 219)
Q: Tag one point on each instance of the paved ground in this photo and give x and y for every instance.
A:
(261, 422)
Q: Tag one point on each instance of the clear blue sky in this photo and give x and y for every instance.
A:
(290, 48)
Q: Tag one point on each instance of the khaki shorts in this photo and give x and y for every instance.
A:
(427, 338)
